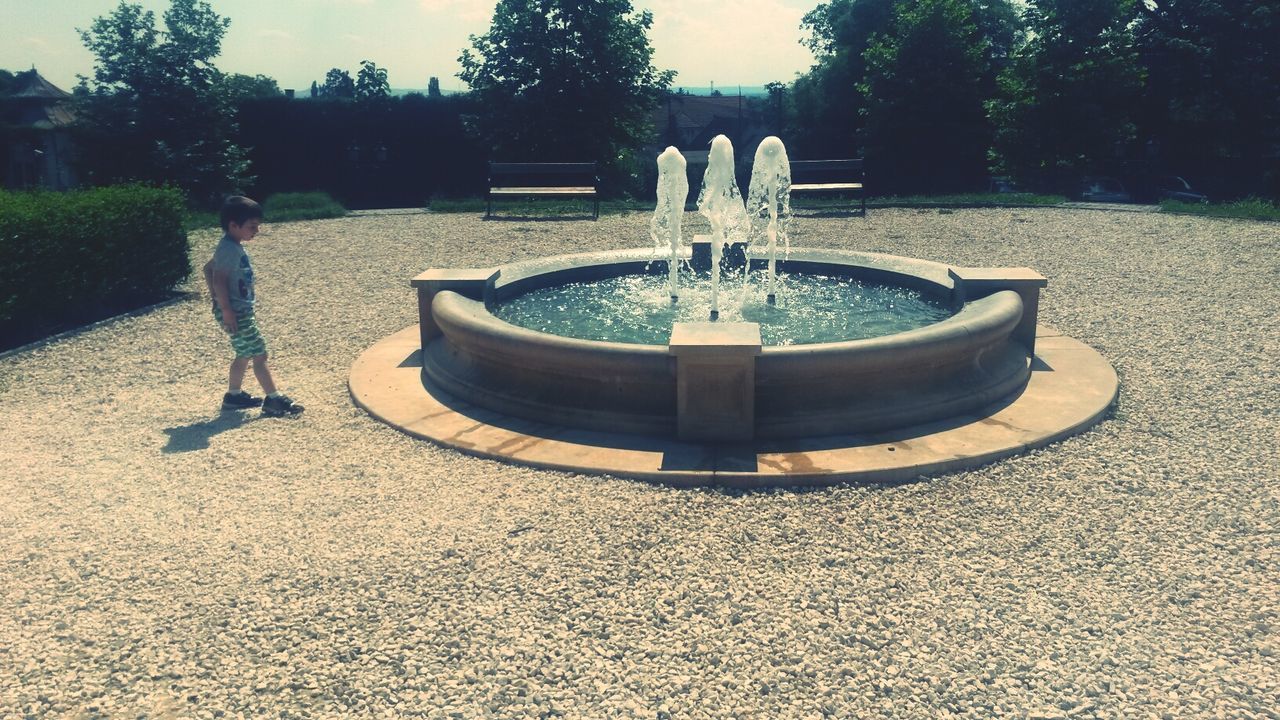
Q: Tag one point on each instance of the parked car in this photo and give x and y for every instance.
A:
(1103, 189)
(1002, 184)
(1172, 187)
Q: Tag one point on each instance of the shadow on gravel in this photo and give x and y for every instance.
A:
(187, 438)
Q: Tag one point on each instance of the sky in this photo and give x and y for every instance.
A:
(746, 42)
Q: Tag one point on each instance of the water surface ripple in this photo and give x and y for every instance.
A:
(808, 309)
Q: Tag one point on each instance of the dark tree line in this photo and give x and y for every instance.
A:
(398, 152)
(938, 93)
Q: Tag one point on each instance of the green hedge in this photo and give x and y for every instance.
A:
(75, 257)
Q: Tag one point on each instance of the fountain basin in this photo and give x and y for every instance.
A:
(940, 371)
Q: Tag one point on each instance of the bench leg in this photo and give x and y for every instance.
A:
(488, 208)
(597, 212)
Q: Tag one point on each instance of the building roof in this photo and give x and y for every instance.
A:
(696, 111)
(32, 85)
(45, 117)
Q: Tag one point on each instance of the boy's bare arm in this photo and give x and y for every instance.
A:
(219, 284)
(208, 276)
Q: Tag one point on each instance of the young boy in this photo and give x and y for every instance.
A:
(230, 279)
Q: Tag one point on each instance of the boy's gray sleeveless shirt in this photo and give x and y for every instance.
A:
(231, 258)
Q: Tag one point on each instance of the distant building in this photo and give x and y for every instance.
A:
(690, 122)
(37, 140)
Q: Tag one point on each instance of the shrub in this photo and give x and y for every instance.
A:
(283, 207)
(70, 258)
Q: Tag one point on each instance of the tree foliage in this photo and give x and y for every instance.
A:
(338, 84)
(563, 80)
(827, 101)
(8, 81)
(156, 109)
(239, 88)
(371, 82)
(830, 107)
(1065, 102)
(926, 127)
(1213, 82)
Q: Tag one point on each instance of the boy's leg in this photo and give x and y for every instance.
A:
(235, 379)
(276, 404)
(246, 342)
(262, 371)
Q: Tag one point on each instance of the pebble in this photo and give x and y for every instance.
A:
(155, 550)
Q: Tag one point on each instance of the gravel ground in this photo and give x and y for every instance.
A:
(161, 560)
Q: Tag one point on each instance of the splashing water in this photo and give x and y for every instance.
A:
(769, 200)
(809, 308)
(673, 190)
(720, 202)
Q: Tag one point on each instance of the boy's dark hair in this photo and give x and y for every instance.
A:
(238, 209)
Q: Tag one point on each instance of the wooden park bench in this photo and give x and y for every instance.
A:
(561, 180)
(829, 177)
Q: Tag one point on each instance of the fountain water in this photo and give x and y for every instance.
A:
(769, 196)
(720, 202)
(673, 190)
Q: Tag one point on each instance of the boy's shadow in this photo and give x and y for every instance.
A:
(186, 438)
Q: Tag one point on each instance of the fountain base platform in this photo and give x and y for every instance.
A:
(1071, 388)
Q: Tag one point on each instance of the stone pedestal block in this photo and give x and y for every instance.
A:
(974, 283)
(715, 380)
(468, 282)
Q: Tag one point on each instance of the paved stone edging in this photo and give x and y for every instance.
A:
(1071, 388)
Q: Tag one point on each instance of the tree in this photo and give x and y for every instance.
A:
(8, 81)
(777, 104)
(1065, 100)
(371, 82)
(565, 80)
(156, 109)
(1211, 100)
(8, 84)
(433, 87)
(829, 108)
(926, 126)
(239, 88)
(828, 103)
(338, 84)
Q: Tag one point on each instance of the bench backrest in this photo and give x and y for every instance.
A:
(819, 171)
(542, 174)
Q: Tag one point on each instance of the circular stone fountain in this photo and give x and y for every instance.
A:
(713, 404)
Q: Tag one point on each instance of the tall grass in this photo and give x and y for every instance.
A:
(283, 207)
(1247, 209)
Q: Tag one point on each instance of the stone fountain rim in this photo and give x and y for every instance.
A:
(1071, 389)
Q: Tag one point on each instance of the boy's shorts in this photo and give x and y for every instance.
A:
(246, 341)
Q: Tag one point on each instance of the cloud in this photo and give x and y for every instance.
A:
(751, 41)
(273, 34)
(468, 10)
(355, 38)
